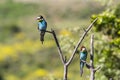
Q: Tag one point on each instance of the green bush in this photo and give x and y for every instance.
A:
(109, 24)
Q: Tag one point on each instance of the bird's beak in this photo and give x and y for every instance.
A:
(37, 19)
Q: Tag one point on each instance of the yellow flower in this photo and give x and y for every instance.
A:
(37, 74)
(7, 51)
(11, 77)
(65, 32)
(40, 73)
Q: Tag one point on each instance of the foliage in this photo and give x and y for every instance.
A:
(109, 24)
(10, 14)
(11, 9)
(22, 55)
(16, 58)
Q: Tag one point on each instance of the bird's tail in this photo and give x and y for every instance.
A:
(42, 36)
(81, 68)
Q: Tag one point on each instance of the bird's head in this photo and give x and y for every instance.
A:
(83, 49)
(40, 18)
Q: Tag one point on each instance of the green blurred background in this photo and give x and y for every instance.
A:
(23, 57)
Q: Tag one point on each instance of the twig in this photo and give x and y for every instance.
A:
(92, 69)
(64, 60)
(80, 41)
(97, 68)
(58, 46)
(48, 31)
(92, 51)
(92, 76)
(87, 64)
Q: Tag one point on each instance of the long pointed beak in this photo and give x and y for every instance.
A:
(37, 18)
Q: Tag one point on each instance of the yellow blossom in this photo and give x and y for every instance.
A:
(7, 51)
(65, 32)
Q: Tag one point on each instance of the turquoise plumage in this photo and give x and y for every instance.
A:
(83, 56)
(42, 26)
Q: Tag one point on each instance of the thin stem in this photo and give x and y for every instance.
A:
(92, 76)
(92, 52)
(87, 65)
(97, 68)
(58, 46)
(48, 31)
(65, 70)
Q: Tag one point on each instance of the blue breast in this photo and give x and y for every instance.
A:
(83, 55)
(42, 25)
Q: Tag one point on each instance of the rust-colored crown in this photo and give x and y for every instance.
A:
(82, 47)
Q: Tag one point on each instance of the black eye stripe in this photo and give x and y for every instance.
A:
(41, 17)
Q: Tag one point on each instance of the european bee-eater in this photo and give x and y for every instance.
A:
(42, 26)
(83, 56)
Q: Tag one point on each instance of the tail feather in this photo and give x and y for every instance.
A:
(81, 68)
(42, 36)
(81, 71)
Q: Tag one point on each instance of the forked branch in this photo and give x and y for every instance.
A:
(64, 61)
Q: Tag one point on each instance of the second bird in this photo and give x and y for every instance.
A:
(83, 56)
(42, 26)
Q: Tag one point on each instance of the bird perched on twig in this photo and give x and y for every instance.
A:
(42, 26)
(83, 56)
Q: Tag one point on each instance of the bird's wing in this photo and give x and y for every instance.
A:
(38, 27)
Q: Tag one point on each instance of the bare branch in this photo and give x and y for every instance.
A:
(58, 46)
(47, 31)
(97, 68)
(92, 75)
(87, 65)
(80, 41)
(92, 51)
(84, 29)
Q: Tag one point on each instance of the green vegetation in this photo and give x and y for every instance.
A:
(16, 10)
(109, 24)
(24, 58)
